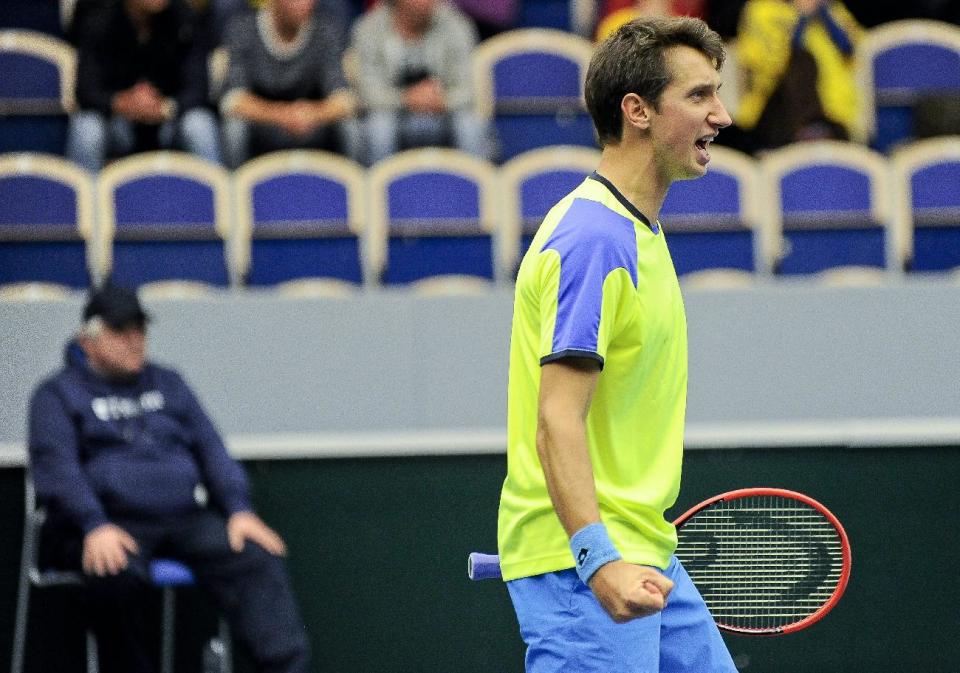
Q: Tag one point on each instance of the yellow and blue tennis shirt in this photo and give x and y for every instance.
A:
(598, 282)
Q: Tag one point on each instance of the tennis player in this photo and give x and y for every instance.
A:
(598, 377)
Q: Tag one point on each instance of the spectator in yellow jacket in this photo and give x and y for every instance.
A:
(796, 62)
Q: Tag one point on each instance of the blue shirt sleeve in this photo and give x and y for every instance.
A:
(592, 242)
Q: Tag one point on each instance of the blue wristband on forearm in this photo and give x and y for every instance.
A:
(592, 548)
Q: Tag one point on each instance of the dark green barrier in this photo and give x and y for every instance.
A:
(378, 557)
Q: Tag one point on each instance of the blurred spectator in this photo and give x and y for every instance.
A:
(285, 86)
(334, 12)
(491, 16)
(129, 467)
(414, 78)
(797, 80)
(141, 83)
(615, 13)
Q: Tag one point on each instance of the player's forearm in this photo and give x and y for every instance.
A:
(563, 452)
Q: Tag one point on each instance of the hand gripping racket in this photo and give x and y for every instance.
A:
(767, 561)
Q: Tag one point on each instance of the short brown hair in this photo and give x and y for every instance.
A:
(632, 61)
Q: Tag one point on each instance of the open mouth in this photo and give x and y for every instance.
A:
(702, 145)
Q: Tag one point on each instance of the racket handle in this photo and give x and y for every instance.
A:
(483, 566)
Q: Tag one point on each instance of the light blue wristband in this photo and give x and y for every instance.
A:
(592, 548)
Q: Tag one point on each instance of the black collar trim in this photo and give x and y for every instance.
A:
(623, 200)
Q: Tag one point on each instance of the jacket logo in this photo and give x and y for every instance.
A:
(115, 408)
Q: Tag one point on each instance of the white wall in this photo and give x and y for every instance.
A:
(788, 357)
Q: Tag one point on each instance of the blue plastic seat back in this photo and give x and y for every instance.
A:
(32, 85)
(531, 75)
(39, 236)
(165, 230)
(901, 75)
(935, 193)
(434, 228)
(537, 103)
(301, 229)
(705, 224)
(518, 133)
(29, 79)
(918, 67)
(827, 220)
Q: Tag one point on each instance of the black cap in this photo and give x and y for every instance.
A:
(117, 306)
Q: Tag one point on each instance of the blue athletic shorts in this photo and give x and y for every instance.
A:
(567, 631)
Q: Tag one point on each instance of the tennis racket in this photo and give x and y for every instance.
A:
(767, 561)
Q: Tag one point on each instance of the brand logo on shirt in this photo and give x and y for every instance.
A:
(115, 408)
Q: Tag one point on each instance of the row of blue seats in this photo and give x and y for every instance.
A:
(529, 83)
(432, 212)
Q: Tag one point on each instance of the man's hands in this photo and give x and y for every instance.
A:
(244, 526)
(425, 97)
(105, 550)
(299, 118)
(627, 591)
(142, 103)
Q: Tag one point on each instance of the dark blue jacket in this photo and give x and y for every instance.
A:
(101, 449)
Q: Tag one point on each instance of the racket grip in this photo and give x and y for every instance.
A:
(483, 566)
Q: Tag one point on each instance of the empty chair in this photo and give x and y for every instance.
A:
(46, 221)
(897, 64)
(530, 83)
(713, 223)
(300, 215)
(433, 213)
(36, 91)
(827, 205)
(165, 216)
(533, 182)
(926, 177)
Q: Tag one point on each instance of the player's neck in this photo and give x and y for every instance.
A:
(634, 174)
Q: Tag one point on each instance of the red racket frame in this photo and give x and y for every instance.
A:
(847, 556)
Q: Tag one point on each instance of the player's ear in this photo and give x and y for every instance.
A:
(636, 111)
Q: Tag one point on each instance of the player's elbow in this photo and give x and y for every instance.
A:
(556, 427)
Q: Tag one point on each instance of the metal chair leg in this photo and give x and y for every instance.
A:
(227, 646)
(20, 626)
(93, 654)
(167, 630)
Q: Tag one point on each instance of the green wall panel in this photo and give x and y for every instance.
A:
(378, 551)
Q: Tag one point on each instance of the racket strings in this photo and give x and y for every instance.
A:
(761, 562)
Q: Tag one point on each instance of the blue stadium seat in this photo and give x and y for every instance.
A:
(300, 215)
(927, 190)
(897, 64)
(433, 213)
(532, 183)
(828, 207)
(46, 221)
(165, 216)
(530, 83)
(36, 91)
(713, 222)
